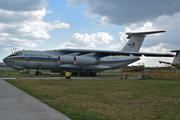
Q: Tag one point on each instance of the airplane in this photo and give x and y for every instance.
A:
(176, 60)
(83, 61)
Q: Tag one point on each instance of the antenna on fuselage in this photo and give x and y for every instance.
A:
(13, 50)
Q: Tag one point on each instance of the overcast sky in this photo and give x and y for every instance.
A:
(92, 24)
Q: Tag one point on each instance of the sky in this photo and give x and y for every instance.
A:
(91, 24)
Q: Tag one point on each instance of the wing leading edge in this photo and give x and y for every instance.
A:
(103, 53)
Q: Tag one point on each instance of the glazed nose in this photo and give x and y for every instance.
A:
(5, 59)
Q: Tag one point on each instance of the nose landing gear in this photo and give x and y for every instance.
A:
(39, 70)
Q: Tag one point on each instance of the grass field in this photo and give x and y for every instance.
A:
(17, 74)
(108, 99)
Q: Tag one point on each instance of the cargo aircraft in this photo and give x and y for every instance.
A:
(82, 61)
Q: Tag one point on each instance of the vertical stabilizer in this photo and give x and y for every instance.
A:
(136, 40)
(176, 59)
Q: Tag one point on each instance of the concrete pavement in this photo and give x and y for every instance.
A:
(17, 105)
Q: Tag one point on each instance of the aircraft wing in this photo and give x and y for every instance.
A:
(103, 53)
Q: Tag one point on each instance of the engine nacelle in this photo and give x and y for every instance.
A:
(65, 59)
(79, 60)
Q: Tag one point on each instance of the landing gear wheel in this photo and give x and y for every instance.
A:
(92, 74)
(75, 74)
(37, 73)
(83, 74)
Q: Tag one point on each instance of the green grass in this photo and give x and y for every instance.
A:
(111, 73)
(17, 74)
(108, 99)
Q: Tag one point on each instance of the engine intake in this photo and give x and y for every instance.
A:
(79, 60)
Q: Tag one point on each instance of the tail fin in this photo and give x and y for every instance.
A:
(136, 40)
(176, 60)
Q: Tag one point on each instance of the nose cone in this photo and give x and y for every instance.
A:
(5, 60)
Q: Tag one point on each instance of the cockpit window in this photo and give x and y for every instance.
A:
(16, 54)
(19, 53)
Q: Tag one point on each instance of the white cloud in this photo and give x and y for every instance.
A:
(66, 45)
(92, 40)
(23, 42)
(26, 27)
(89, 14)
(33, 25)
(103, 21)
(115, 47)
(16, 42)
(16, 16)
(4, 34)
(87, 41)
(59, 25)
(161, 47)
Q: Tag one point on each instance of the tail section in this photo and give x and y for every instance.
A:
(176, 60)
(136, 40)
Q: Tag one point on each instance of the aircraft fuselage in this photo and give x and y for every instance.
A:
(48, 60)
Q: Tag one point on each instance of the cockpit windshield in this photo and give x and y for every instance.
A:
(15, 54)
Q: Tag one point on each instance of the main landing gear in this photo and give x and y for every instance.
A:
(75, 74)
(87, 74)
(84, 74)
(92, 74)
(39, 70)
(38, 73)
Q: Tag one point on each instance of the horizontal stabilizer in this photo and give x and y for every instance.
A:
(175, 51)
(164, 62)
(130, 34)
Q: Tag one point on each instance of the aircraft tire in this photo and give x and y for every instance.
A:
(83, 74)
(37, 73)
(74, 74)
(92, 74)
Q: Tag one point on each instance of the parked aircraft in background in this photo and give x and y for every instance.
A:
(176, 60)
(82, 61)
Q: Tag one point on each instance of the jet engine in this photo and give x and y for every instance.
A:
(79, 60)
(65, 59)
